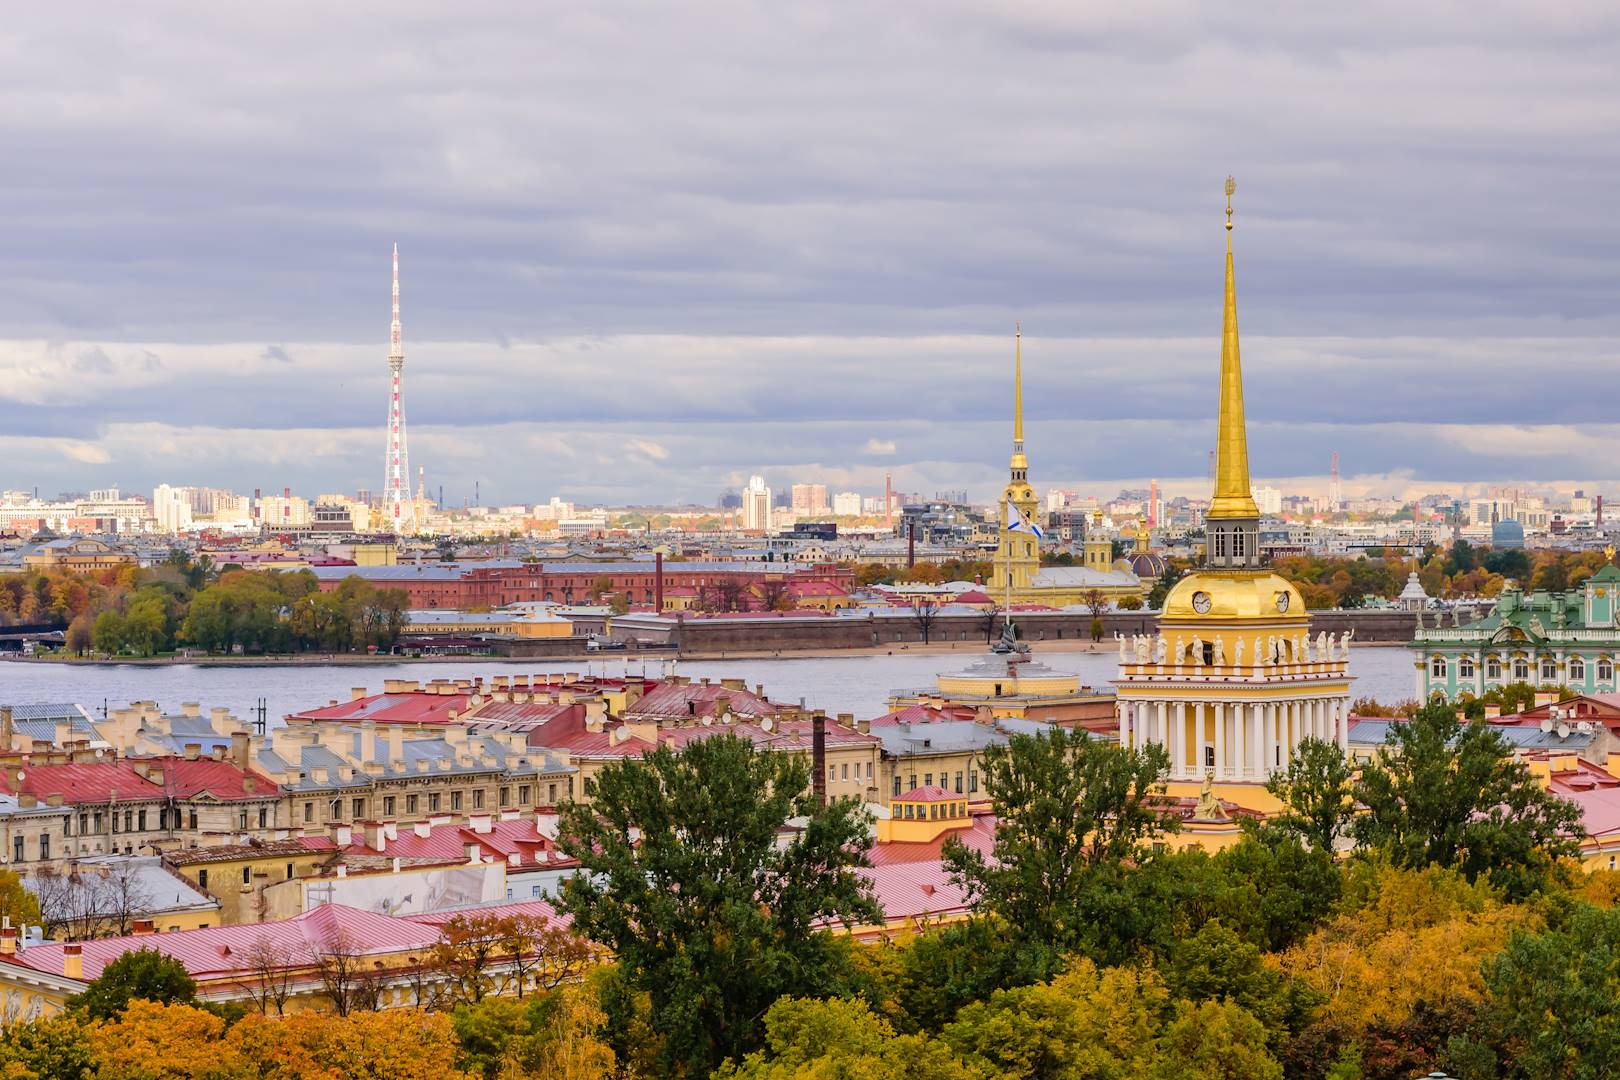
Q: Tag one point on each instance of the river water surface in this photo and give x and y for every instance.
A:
(858, 683)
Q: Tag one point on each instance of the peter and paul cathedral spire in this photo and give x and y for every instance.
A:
(1018, 557)
(1233, 522)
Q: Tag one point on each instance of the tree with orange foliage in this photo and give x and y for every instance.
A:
(149, 1041)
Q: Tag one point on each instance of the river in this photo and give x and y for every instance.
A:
(858, 683)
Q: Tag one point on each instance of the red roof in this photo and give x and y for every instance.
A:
(925, 714)
(400, 707)
(221, 951)
(85, 781)
(973, 596)
(931, 794)
(674, 700)
(503, 839)
(185, 779)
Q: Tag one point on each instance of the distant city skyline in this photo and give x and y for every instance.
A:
(630, 282)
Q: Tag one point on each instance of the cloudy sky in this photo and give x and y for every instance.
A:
(650, 249)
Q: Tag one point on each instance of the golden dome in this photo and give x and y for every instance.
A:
(1224, 597)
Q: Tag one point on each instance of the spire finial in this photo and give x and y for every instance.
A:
(1018, 387)
(1233, 497)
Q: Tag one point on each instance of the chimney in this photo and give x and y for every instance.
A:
(422, 828)
(658, 581)
(376, 836)
(193, 751)
(818, 757)
(1546, 697)
(6, 730)
(1492, 711)
(240, 749)
(143, 927)
(342, 835)
(471, 850)
(356, 693)
(73, 960)
(8, 940)
(480, 823)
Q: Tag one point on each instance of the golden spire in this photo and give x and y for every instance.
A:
(1018, 458)
(1233, 496)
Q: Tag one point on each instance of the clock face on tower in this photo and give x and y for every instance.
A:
(1201, 603)
(1282, 601)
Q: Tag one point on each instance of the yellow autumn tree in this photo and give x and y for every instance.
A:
(149, 1041)
(1409, 936)
(318, 1046)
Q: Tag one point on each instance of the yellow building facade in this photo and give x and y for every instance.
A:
(1017, 576)
(1232, 682)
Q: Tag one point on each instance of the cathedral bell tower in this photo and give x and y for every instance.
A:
(1018, 558)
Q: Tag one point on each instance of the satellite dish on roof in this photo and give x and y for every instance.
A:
(1563, 730)
(766, 724)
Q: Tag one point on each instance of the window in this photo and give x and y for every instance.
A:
(1237, 544)
(309, 811)
(1220, 544)
(241, 819)
(478, 798)
(433, 802)
(1493, 668)
(67, 825)
(289, 871)
(337, 809)
(247, 875)
(1577, 669)
(388, 806)
(846, 773)
(959, 781)
(202, 878)
(506, 796)
(44, 846)
(551, 795)
(1465, 668)
(410, 804)
(896, 792)
(455, 800)
(1549, 670)
(868, 771)
(534, 890)
(928, 779)
(359, 809)
(1209, 757)
(129, 821)
(141, 818)
(911, 782)
(97, 820)
(523, 794)
(1437, 667)
(973, 781)
(84, 822)
(1605, 671)
(1521, 670)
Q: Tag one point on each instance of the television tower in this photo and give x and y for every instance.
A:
(1334, 495)
(398, 507)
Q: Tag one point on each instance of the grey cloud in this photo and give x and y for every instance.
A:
(652, 204)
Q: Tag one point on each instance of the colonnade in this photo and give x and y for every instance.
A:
(1239, 740)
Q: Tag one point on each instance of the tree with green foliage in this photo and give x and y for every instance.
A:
(1441, 792)
(1317, 790)
(1552, 1010)
(1216, 1040)
(684, 876)
(143, 974)
(1161, 588)
(843, 1039)
(1070, 811)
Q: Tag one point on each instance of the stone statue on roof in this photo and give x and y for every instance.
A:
(1209, 808)
(1220, 651)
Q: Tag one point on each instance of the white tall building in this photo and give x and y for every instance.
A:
(756, 507)
(847, 504)
(171, 506)
(1268, 499)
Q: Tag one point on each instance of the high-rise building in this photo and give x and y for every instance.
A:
(171, 506)
(398, 507)
(809, 500)
(756, 505)
(1269, 499)
(847, 504)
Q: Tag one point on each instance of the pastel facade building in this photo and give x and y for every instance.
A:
(1551, 639)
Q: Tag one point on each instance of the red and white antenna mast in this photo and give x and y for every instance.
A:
(398, 507)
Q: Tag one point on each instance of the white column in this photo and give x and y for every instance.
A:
(1341, 706)
(1161, 727)
(1257, 713)
(1219, 710)
(1125, 708)
(1180, 735)
(1240, 731)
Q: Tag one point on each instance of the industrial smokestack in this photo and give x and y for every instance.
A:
(818, 757)
(658, 581)
(911, 544)
(1600, 511)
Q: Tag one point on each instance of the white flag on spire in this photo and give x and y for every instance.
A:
(1016, 522)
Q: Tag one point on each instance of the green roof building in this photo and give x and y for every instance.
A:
(1546, 639)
